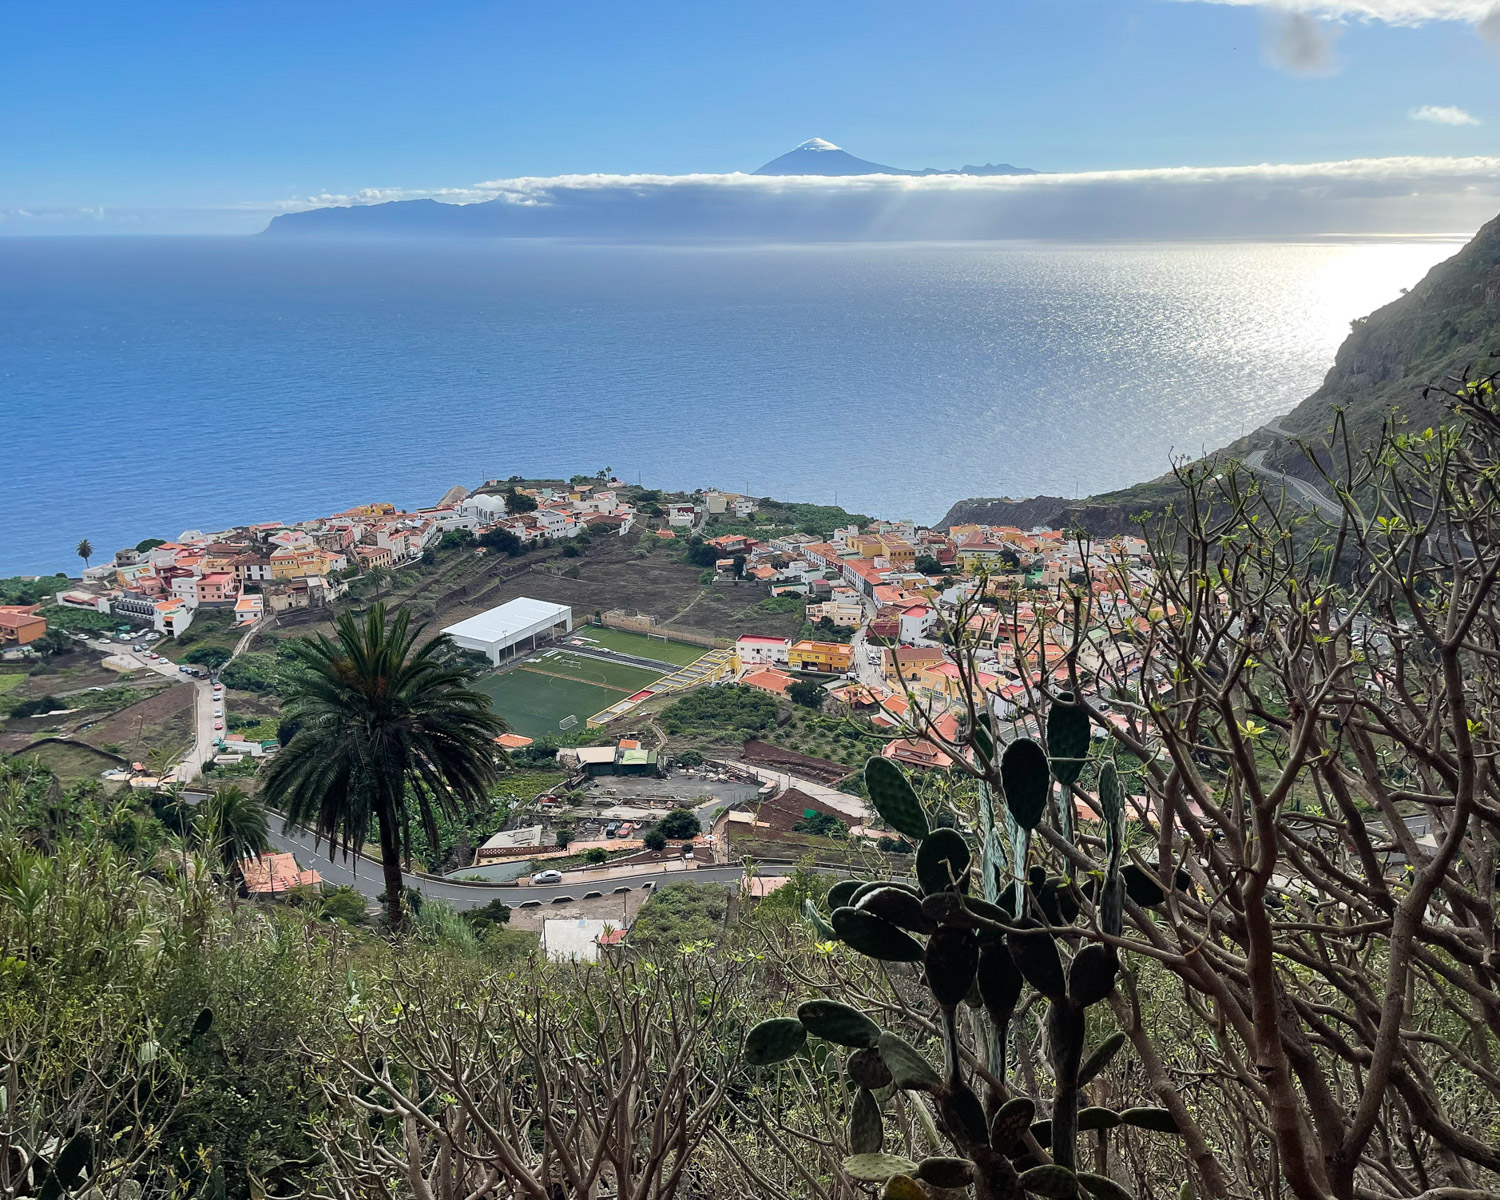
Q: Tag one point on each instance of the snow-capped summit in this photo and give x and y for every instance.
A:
(819, 157)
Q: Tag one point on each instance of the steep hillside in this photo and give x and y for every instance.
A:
(1446, 323)
(1449, 321)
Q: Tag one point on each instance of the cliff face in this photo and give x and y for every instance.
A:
(1102, 516)
(1449, 322)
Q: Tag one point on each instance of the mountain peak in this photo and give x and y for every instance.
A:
(819, 156)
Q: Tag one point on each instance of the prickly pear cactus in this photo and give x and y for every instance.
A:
(979, 946)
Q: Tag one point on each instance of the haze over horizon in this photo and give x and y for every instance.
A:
(1215, 117)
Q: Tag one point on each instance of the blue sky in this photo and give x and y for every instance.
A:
(185, 115)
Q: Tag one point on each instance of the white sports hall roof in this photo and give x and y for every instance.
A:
(514, 619)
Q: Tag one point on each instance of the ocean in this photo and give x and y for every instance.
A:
(154, 385)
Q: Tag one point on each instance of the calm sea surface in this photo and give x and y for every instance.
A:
(154, 385)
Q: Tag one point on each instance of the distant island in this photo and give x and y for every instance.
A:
(654, 206)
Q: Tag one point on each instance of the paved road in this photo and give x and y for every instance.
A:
(204, 734)
(364, 875)
(1301, 490)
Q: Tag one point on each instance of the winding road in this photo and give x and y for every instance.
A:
(364, 875)
(1300, 489)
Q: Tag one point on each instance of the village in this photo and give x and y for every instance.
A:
(654, 750)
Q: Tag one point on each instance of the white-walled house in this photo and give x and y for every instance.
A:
(916, 621)
(451, 518)
(486, 508)
(755, 650)
(555, 524)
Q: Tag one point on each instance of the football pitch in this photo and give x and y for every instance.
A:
(547, 688)
(641, 645)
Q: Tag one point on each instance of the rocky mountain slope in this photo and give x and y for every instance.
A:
(1448, 322)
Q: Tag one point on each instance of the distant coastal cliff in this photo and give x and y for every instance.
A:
(1448, 322)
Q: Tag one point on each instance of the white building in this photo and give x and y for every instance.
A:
(916, 622)
(522, 623)
(487, 509)
(757, 651)
(573, 939)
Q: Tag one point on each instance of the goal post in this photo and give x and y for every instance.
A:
(568, 722)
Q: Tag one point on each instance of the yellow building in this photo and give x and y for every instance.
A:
(835, 658)
(298, 563)
(897, 551)
(910, 663)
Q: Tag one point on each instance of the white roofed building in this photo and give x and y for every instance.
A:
(520, 624)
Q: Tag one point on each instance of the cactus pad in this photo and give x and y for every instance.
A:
(942, 861)
(1101, 1187)
(1092, 976)
(1158, 1120)
(1010, 1125)
(1050, 1181)
(877, 1168)
(865, 1130)
(899, 907)
(774, 1040)
(1028, 781)
(894, 798)
(952, 959)
(946, 1172)
(1067, 739)
(875, 938)
(907, 1066)
(835, 1022)
(868, 1070)
(999, 981)
(841, 894)
(1100, 1059)
(1035, 955)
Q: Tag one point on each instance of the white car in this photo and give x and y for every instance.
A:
(547, 877)
(218, 712)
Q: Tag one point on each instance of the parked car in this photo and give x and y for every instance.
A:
(218, 712)
(547, 877)
(218, 724)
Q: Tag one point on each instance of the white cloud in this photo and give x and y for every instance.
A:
(1410, 195)
(1393, 12)
(1444, 114)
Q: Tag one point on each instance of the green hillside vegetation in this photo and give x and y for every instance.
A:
(731, 712)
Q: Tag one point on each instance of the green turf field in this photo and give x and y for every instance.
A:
(638, 643)
(591, 670)
(533, 704)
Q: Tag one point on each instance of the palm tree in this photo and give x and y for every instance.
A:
(85, 551)
(383, 724)
(231, 825)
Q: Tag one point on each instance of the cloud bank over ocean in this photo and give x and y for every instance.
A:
(1411, 195)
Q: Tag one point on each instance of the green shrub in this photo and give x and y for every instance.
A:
(680, 823)
(718, 709)
(342, 904)
(681, 912)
